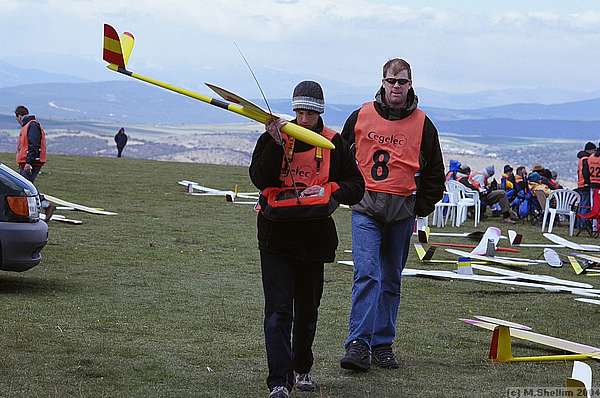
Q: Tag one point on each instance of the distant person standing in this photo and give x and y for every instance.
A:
(31, 144)
(121, 140)
(31, 150)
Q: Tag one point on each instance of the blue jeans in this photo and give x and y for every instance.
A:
(379, 251)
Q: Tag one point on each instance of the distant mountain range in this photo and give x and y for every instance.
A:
(90, 105)
(70, 102)
(275, 82)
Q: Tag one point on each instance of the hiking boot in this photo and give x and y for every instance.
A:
(279, 392)
(357, 357)
(383, 356)
(305, 382)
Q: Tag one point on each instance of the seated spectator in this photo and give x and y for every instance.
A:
(487, 195)
(508, 182)
(453, 169)
(521, 182)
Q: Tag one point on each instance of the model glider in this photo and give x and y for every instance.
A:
(230, 196)
(61, 218)
(580, 382)
(589, 301)
(502, 261)
(465, 246)
(571, 245)
(118, 49)
(424, 234)
(501, 344)
(76, 206)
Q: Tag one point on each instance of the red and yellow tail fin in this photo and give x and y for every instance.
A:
(117, 49)
(501, 348)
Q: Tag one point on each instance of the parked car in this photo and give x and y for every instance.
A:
(22, 233)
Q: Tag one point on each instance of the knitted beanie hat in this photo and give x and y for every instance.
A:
(308, 95)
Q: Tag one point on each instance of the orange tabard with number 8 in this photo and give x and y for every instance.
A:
(594, 166)
(387, 151)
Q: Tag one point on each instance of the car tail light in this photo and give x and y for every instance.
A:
(19, 205)
(24, 206)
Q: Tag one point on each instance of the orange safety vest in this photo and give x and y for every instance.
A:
(23, 145)
(594, 166)
(387, 151)
(305, 169)
(581, 166)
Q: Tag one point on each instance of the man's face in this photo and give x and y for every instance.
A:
(307, 119)
(396, 87)
(19, 119)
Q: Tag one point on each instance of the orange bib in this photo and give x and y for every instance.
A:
(387, 151)
(23, 145)
(594, 166)
(581, 165)
(305, 169)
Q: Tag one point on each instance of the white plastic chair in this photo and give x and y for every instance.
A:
(471, 199)
(565, 201)
(450, 207)
(463, 201)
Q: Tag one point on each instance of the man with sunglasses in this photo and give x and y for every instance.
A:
(397, 150)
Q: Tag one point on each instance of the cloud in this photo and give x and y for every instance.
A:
(346, 40)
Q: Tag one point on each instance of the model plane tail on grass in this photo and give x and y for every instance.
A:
(501, 345)
(580, 382)
(117, 50)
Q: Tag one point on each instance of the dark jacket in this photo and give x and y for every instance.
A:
(430, 185)
(314, 240)
(34, 138)
(121, 139)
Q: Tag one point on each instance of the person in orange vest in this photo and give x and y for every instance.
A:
(31, 144)
(300, 186)
(31, 151)
(398, 153)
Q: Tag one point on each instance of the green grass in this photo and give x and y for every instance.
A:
(165, 299)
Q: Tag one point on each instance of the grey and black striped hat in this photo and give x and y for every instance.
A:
(308, 95)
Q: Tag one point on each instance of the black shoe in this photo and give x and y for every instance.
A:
(279, 392)
(383, 356)
(357, 357)
(305, 382)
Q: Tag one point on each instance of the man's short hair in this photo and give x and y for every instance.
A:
(589, 146)
(21, 111)
(396, 65)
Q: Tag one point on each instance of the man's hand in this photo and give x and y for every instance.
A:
(27, 168)
(311, 191)
(273, 127)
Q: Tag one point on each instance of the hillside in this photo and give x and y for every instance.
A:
(165, 299)
(129, 102)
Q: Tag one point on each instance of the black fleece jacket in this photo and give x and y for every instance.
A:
(314, 240)
(34, 139)
(430, 184)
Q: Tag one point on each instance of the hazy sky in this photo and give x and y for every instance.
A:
(453, 45)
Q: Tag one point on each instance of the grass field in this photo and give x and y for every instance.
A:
(165, 300)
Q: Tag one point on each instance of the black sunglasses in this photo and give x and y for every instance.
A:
(392, 81)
